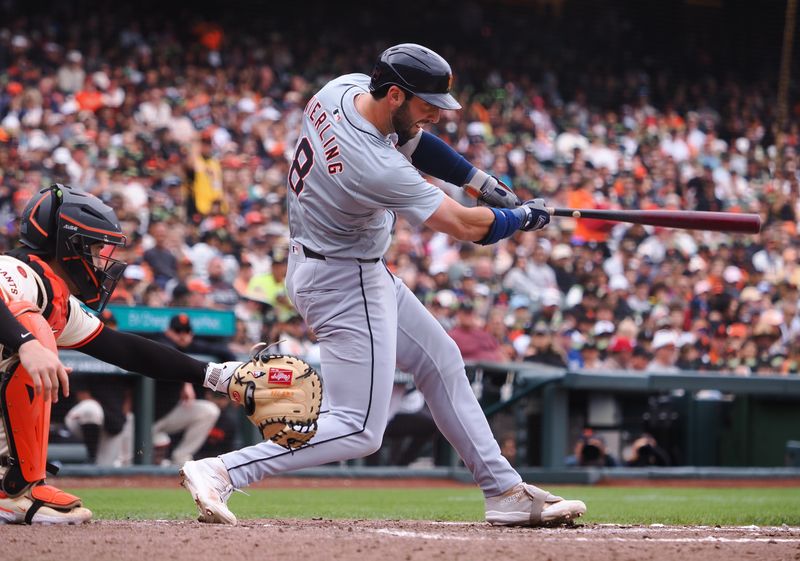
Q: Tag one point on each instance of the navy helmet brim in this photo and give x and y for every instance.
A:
(440, 100)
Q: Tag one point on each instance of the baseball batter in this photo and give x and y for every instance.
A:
(355, 169)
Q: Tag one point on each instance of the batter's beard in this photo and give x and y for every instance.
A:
(402, 123)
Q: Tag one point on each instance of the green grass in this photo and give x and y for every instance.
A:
(619, 505)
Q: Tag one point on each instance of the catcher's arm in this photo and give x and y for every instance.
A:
(134, 353)
(281, 394)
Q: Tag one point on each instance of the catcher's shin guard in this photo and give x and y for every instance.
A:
(26, 419)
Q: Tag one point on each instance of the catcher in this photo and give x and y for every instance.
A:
(67, 239)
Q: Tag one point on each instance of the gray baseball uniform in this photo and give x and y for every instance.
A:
(346, 183)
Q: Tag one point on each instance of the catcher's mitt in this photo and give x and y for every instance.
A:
(281, 395)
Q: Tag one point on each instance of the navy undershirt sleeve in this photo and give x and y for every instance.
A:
(12, 333)
(137, 354)
(435, 157)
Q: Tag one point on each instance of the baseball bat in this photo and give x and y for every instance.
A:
(683, 219)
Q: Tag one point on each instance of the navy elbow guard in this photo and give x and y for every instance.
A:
(435, 157)
(506, 222)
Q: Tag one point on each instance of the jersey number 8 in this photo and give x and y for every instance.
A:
(301, 165)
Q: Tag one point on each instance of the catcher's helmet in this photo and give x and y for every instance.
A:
(80, 232)
(417, 69)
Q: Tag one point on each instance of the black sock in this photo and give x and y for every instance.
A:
(91, 438)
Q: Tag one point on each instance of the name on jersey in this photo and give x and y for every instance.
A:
(322, 124)
(12, 286)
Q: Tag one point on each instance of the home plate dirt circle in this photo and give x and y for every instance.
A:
(387, 540)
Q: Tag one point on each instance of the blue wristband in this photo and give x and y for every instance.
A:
(506, 222)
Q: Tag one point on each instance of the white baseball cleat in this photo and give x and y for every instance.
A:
(526, 505)
(208, 482)
(15, 510)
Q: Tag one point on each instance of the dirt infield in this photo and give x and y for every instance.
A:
(390, 540)
(386, 540)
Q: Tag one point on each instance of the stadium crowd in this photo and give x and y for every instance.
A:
(187, 132)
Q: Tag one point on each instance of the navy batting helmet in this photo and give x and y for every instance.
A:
(417, 69)
(80, 232)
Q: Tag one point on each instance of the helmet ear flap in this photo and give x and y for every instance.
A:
(38, 223)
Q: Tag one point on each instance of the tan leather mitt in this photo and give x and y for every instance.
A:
(281, 395)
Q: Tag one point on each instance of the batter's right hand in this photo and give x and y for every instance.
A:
(45, 369)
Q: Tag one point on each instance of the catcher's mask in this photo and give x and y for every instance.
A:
(80, 232)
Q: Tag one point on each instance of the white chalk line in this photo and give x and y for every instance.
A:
(707, 539)
(642, 528)
(562, 536)
(422, 535)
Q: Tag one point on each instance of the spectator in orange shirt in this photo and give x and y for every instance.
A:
(586, 229)
(89, 98)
